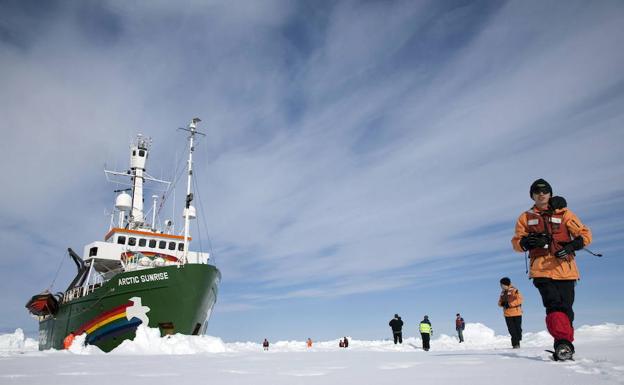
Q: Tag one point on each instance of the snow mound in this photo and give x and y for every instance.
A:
(149, 341)
(17, 343)
(606, 331)
(78, 346)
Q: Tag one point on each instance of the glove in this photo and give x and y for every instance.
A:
(534, 241)
(557, 203)
(569, 247)
(505, 304)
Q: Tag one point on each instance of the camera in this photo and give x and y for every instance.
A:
(543, 237)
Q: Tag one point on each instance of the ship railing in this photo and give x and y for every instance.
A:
(91, 288)
(72, 294)
(81, 291)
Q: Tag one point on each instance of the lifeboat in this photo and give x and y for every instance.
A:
(43, 304)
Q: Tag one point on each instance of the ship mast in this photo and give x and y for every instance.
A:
(137, 166)
(189, 210)
(133, 205)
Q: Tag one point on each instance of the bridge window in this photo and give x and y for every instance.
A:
(131, 241)
(142, 242)
(93, 252)
(172, 245)
(152, 243)
(121, 240)
(141, 153)
(181, 246)
(162, 244)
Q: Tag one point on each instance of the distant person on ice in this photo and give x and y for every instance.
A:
(309, 342)
(341, 344)
(345, 343)
(425, 332)
(265, 344)
(459, 326)
(510, 300)
(551, 234)
(397, 329)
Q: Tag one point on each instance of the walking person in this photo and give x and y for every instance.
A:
(551, 233)
(510, 300)
(397, 329)
(265, 344)
(309, 342)
(459, 326)
(425, 332)
(345, 343)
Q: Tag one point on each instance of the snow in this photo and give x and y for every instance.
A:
(16, 343)
(485, 358)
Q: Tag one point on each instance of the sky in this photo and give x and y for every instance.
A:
(361, 158)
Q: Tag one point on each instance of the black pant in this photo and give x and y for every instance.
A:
(425, 338)
(398, 336)
(556, 295)
(514, 326)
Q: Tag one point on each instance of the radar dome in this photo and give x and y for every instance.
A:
(123, 202)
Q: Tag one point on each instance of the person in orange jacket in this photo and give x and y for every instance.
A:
(510, 300)
(551, 233)
(309, 342)
(68, 340)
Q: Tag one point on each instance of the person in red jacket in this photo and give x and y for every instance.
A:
(459, 327)
(551, 233)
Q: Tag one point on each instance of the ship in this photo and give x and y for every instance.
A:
(141, 273)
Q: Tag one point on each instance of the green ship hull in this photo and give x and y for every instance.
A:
(175, 299)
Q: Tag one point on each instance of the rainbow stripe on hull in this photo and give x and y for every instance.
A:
(112, 323)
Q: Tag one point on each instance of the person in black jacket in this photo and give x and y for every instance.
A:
(397, 329)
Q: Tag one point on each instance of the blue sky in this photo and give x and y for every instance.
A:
(361, 159)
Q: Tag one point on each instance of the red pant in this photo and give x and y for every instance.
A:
(558, 298)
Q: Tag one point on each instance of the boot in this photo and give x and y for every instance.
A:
(564, 350)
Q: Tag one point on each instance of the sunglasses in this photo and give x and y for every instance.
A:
(541, 190)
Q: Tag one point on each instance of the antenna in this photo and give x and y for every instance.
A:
(192, 128)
